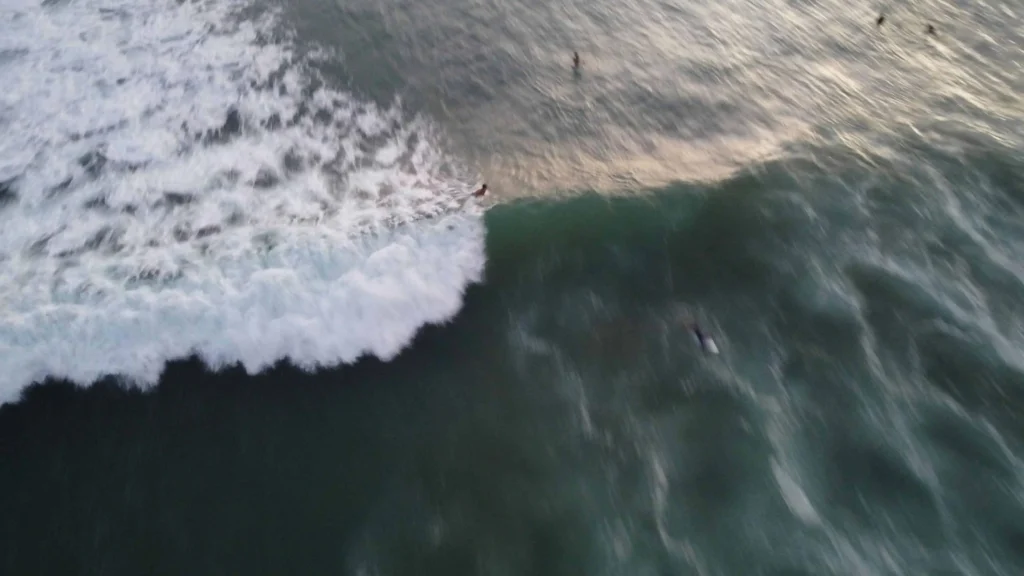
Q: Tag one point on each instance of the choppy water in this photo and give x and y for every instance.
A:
(283, 187)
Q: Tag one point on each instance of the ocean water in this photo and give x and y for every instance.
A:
(252, 323)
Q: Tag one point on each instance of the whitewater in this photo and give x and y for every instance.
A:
(176, 179)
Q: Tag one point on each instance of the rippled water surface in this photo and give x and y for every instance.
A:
(278, 337)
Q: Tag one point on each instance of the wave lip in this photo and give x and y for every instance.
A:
(174, 182)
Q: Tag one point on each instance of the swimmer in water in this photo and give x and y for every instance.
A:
(706, 343)
(701, 338)
(479, 193)
(575, 60)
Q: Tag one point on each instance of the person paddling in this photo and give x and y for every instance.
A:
(479, 193)
(705, 341)
(701, 338)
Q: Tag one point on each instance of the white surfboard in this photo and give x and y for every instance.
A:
(709, 344)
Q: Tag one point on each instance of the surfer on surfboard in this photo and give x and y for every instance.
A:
(705, 341)
(480, 193)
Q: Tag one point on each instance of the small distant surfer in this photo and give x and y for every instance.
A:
(930, 30)
(576, 61)
(480, 192)
(705, 341)
(881, 20)
(701, 338)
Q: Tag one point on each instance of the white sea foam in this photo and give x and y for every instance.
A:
(178, 182)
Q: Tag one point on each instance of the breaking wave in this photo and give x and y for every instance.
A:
(176, 179)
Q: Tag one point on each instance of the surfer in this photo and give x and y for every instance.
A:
(931, 30)
(881, 20)
(575, 60)
(701, 338)
(479, 193)
(705, 341)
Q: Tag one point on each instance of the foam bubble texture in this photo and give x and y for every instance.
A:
(174, 179)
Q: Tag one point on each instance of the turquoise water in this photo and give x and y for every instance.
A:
(838, 205)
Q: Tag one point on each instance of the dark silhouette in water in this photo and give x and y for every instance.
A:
(479, 193)
(881, 20)
(575, 60)
(701, 338)
(931, 30)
